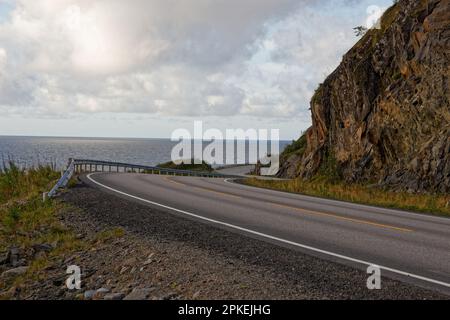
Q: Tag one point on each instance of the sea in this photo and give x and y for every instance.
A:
(29, 152)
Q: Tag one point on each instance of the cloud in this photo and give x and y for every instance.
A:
(3, 57)
(168, 57)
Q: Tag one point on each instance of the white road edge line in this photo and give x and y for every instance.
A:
(332, 254)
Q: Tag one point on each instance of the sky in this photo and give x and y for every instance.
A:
(143, 68)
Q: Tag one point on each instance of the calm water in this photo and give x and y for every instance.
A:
(31, 151)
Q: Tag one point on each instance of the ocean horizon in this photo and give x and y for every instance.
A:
(31, 151)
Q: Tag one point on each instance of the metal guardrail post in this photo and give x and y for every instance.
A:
(63, 181)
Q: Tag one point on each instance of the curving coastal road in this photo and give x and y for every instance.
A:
(410, 247)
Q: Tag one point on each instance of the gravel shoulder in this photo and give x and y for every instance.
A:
(162, 256)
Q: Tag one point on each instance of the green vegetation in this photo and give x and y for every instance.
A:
(110, 234)
(27, 222)
(296, 147)
(389, 17)
(329, 168)
(16, 183)
(204, 167)
(358, 193)
(360, 30)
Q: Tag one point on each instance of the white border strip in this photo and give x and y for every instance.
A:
(332, 254)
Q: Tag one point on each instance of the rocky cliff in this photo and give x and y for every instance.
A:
(383, 116)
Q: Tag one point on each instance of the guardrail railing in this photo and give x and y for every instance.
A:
(86, 165)
(83, 165)
(63, 181)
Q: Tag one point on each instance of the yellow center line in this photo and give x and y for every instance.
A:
(304, 211)
(343, 218)
(173, 181)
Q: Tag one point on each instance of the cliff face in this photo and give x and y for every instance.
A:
(384, 114)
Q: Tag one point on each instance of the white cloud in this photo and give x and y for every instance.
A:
(3, 57)
(169, 57)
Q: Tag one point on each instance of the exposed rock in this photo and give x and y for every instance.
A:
(384, 114)
(196, 295)
(4, 259)
(169, 296)
(13, 256)
(139, 294)
(114, 296)
(14, 272)
(149, 259)
(89, 295)
(123, 270)
(100, 293)
(44, 247)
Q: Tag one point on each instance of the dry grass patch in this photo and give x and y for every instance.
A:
(437, 204)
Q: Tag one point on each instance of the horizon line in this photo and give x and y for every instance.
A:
(119, 138)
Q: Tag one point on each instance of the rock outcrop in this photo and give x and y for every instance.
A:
(383, 115)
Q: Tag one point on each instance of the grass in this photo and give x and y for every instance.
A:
(437, 204)
(109, 234)
(16, 183)
(25, 220)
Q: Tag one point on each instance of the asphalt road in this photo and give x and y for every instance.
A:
(237, 170)
(409, 247)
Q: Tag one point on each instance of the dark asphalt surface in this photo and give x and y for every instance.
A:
(409, 243)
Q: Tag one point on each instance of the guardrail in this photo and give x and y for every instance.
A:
(83, 165)
(86, 165)
(63, 181)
